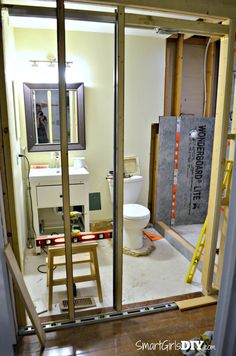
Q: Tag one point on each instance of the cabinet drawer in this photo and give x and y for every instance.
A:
(51, 195)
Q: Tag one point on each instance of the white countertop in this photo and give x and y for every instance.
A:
(46, 172)
(40, 174)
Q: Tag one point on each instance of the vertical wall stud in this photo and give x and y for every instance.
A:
(7, 173)
(167, 79)
(178, 73)
(118, 158)
(210, 66)
(226, 208)
(219, 153)
(64, 152)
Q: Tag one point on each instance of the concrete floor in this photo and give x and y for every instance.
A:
(159, 275)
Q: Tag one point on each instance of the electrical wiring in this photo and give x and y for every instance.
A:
(39, 270)
(44, 264)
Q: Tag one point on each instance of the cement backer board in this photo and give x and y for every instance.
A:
(194, 170)
(166, 151)
(193, 178)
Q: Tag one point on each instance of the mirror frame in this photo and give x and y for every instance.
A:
(31, 137)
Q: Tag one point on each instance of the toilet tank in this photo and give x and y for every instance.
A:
(132, 189)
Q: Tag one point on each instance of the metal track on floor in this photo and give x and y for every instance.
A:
(93, 319)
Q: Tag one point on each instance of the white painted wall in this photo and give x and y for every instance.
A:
(93, 57)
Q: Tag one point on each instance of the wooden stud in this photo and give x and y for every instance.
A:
(7, 176)
(118, 159)
(187, 36)
(222, 245)
(210, 70)
(219, 153)
(196, 302)
(202, 8)
(177, 82)
(226, 208)
(167, 79)
(23, 291)
(64, 153)
(188, 27)
(153, 172)
(182, 26)
(196, 41)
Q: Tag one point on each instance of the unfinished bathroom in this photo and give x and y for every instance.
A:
(170, 103)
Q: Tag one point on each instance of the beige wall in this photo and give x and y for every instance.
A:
(93, 57)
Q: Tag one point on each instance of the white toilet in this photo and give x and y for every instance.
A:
(136, 216)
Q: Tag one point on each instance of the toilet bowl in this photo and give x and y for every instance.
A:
(136, 217)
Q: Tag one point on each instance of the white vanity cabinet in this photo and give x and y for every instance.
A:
(46, 191)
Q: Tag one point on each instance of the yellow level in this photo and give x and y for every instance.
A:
(201, 241)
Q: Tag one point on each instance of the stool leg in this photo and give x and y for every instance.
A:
(96, 266)
(50, 280)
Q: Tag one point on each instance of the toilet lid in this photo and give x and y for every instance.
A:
(135, 211)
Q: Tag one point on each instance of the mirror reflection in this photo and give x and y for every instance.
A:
(43, 117)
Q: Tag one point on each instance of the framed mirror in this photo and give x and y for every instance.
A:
(43, 119)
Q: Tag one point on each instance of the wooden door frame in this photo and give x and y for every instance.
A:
(209, 9)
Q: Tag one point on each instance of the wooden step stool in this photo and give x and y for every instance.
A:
(81, 253)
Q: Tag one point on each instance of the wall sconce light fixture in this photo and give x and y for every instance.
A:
(51, 62)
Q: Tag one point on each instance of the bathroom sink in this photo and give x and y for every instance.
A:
(54, 174)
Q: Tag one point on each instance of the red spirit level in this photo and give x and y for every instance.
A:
(49, 240)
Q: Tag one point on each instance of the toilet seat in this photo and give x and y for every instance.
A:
(135, 212)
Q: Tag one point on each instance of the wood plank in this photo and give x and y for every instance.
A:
(196, 40)
(188, 35)
(64, 153)
(219, 154)
(167, 80)
(154, 177)
(180, 26)
(210, 71)
(178, 73)
(119, 159)
(153, 171)
(209, 8)
(226, 208)
(23, 291)
(7, 173)
(197, 302)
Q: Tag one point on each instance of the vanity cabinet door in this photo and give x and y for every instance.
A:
(49, 196)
